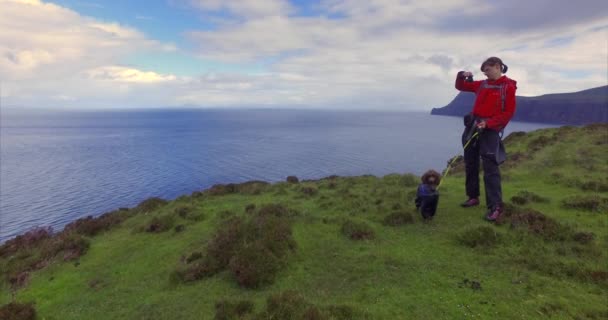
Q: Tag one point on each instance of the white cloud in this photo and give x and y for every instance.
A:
(246, 8)
(124, 74)
(357, 54)
(395, 54)
(53, 56)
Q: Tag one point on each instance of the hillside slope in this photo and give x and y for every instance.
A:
(583, 107)
(338, 248)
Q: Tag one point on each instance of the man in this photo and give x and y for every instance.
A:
(494, 107)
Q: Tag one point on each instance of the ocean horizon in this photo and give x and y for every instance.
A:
(57, 167)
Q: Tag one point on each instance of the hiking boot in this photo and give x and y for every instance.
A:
(470, 203)
(494, 214)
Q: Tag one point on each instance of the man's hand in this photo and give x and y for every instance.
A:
(466, 74)
(481, 124)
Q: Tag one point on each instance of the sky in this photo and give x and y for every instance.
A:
(325, 54)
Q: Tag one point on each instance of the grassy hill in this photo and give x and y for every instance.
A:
(337, 248)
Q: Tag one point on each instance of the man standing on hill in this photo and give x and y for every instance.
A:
(494, 107)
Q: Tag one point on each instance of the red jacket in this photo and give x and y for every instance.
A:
(488, 101)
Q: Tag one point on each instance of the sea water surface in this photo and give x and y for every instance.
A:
(56, 167)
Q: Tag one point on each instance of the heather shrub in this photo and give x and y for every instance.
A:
(27, 240)
(250, 208)
(188, 212)
(358, 230)
(72, 246)
(227, 240)
(524, 197)
(229, 310)
(183, 211)
(285, 305)
(537, 223)
(514, 137)
(454, 164)
(149, 205)
(18, 280)
(277, 210)
(67, 246)
(409, 180)
(482, 236)
(17, 311)
(91, 226)
(540, 142)
(595, 185)
(274, 233)
(292, 305)
(583, 237)
(253, 265)
(309, 190)
(160, 224)
(252, 187)
(197, 270)
(253, 249)
(194, 256)
(597, 276)
(249, 187)
(221, 189)
(515, 158)
(398, 218)
(292, 179)
(592, 203)
(342, 312)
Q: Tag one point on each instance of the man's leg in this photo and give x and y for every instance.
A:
(491, 173)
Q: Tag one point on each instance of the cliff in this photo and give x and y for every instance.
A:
(583, 107)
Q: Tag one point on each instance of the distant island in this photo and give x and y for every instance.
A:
(576, 108)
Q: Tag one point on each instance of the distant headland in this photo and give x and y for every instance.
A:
(576, 108)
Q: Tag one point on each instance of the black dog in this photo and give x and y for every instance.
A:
(427, 196)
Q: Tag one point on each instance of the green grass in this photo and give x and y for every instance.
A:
(445, 269)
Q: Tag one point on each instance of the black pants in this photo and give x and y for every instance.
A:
(484, 146)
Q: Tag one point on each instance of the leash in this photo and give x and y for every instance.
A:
(454, 159)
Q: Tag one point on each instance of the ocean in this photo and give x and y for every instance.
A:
(56, 167)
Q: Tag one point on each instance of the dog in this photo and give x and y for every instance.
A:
(427, 195)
